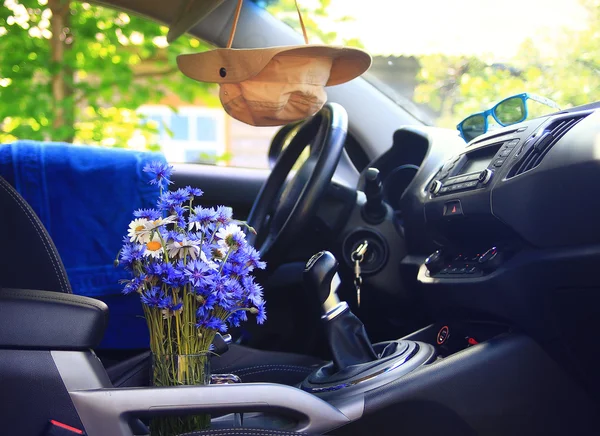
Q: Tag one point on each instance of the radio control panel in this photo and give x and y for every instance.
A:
(473, 169)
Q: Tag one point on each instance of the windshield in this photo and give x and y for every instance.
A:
(444, 60)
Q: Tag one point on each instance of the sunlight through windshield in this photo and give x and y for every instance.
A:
(443, 60)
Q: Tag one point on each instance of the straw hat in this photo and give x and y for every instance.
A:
(275, 85)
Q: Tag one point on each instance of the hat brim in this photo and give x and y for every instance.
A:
(226, 65)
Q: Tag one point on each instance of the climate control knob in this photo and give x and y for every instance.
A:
(485, 176)
(435, 187)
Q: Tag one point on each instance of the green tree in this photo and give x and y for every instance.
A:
(76, 72)
(316, 18)
(455, 87)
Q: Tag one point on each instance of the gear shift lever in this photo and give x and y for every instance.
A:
(346, 335)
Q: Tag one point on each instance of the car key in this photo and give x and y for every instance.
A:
(357, 257)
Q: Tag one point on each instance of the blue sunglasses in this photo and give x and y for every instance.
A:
(509, 111)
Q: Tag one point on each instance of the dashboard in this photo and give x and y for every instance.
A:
(506, 228)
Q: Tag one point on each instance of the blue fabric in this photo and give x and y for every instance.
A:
(85, 197)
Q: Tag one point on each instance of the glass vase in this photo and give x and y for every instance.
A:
(180, 370)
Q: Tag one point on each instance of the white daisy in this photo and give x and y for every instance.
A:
(154, 247)
(153, 225)
(231, 237)
(137, 231)
(183, 248)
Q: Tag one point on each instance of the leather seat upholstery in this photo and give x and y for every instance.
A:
(29, 259)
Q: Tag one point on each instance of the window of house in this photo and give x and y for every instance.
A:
(207, 135)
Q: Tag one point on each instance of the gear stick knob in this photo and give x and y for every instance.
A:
(348, 340)
(321, 274)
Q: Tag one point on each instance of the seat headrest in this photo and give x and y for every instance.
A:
(29, 259)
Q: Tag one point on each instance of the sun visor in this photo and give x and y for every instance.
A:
(190, 13)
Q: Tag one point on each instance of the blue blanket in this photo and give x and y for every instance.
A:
(85, 197)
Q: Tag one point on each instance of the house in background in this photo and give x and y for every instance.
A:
(205, 134)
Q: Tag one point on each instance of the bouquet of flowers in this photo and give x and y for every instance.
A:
(192, 268)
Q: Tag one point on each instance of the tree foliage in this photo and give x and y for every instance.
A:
(76, 72)
(453, 87)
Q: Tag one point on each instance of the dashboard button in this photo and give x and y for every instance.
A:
(454, 271)
(471, 184)
(453, 208)
(435, 187)
(488, 255)
(499, 162)
(443, 335)
(512, 143)
(504, 153)
(444, 189)
(473, 176)
(472, 270)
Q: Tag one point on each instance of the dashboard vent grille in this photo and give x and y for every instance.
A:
(536, 148)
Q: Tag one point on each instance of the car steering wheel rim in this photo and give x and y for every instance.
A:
(278, 216)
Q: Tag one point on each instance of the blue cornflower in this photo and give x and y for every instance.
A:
(238, 257)
(194, 192)
(134, 285)
(180, 196)
(174, 276)
(253, 258)
(217, 324)
(165, 202)
(172, 235)
(175, 307)
(254, 291)
(155, 297)
(235, 270)
(207, 304)
(224, 214)
(171, 199)
(161, 172)
(168, 274)
(172, 308)
(237, 317)
(211, 322)
(180, 213)
(199, 274)
(202, 218)
(131, 253)
(227, 291)
(149, 214)
(261, 316)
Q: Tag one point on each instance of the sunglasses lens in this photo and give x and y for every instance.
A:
(510, 111)
(473, 126)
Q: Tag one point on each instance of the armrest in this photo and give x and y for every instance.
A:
(108, 411)
(50, 320)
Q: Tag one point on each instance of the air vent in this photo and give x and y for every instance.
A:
(536, 148)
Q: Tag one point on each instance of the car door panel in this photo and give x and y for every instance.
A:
(230, 186)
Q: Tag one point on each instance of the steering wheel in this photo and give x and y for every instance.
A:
(279, 215)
